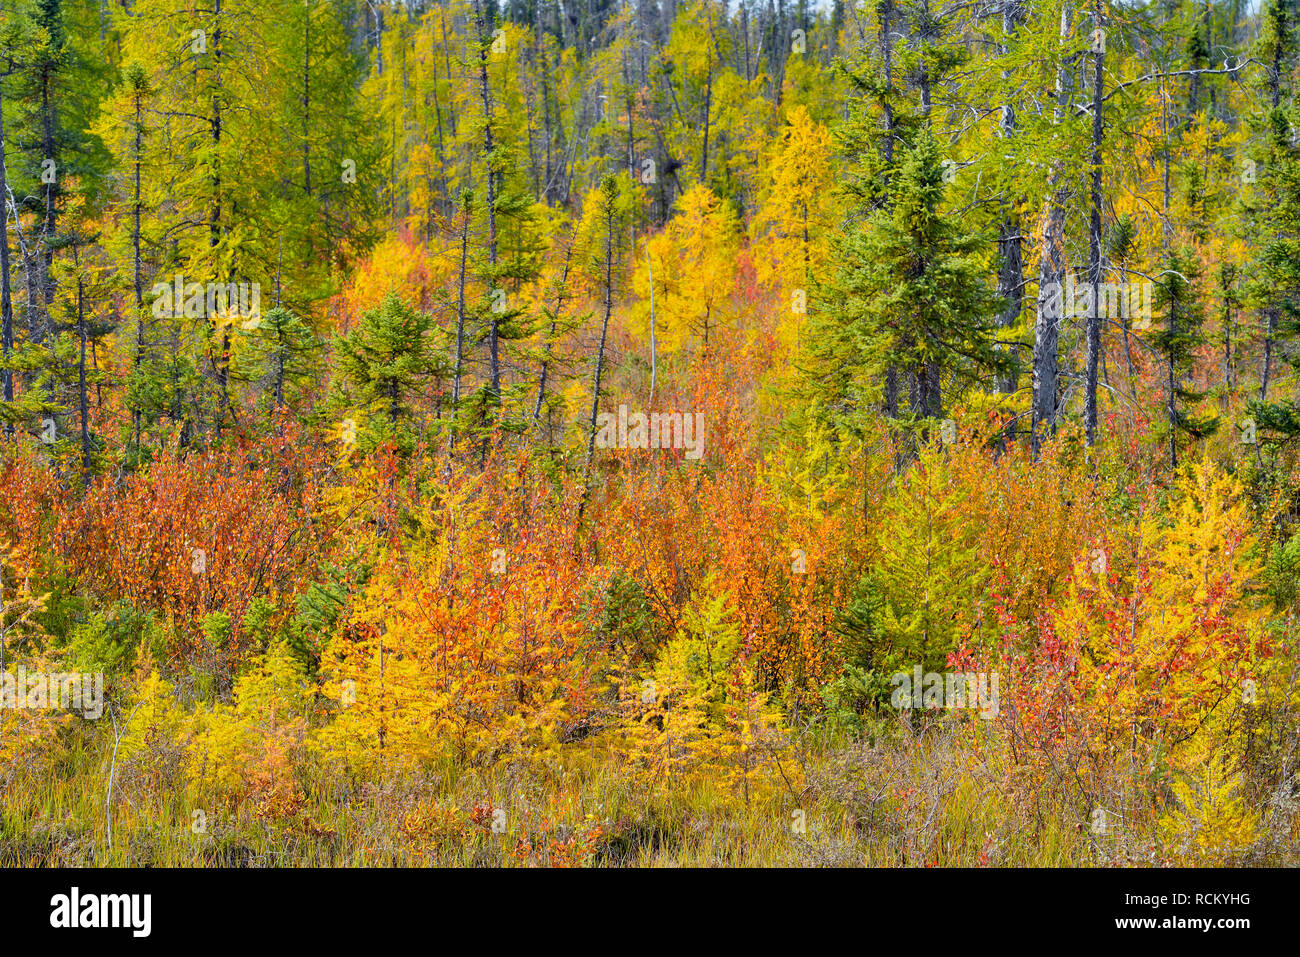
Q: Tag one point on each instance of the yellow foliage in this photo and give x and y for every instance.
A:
(700, 713)
(789, 232)
(246, 746)
(156, 718)
(1182, 636)
(1212, 822)
(461, 646)
(693, 263)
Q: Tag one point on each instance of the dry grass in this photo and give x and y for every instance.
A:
(940, 797)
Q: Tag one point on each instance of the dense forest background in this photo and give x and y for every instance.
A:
(546, 433)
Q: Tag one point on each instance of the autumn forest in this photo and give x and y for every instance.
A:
(588, 433)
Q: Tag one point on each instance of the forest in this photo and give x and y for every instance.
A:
(705, 433)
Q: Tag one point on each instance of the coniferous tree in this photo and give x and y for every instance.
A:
(907, 292)
(386, 365)
(1178, 295)
(281, 356)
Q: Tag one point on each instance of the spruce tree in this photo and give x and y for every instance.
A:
(1176, 293)
(385, 364)
(907, 292)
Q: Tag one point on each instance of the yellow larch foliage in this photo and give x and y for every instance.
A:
(1171, 638)
(246, 747)
(789, 231)
(1212, 822)
(698, 712)
(693, 263)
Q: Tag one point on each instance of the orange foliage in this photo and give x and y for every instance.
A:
(201, 532)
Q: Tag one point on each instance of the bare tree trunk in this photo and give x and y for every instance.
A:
(600, 351)
(654, 370)
(1011, 270)
(1227, 348)
(1172, 409)
(1094, 229)
(81, 376)
(485, 92)
(214, 221)
(6, 303)
(1271, 313)
(137, 278)
(887, 66)
(466, 205)
(550, 339)
(306, 102)
(49, 228)
(547, 196)
(1051, 273)
(924, 81)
